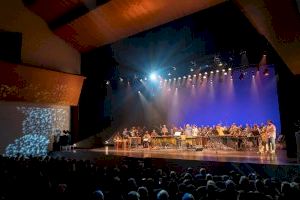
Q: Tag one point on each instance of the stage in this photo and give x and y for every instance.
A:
(219, 162)
(253, 157)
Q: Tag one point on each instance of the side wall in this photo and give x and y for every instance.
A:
(40, 47)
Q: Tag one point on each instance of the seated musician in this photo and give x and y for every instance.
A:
(146, 139)
(188, 130)
(189, 134)
(154, 133)
(133, 132)
(233, 130)
(255, 130)
(195, 131)
(247, 131)
(125, 133)
(164, 130)
(220, 130)
(117, 140)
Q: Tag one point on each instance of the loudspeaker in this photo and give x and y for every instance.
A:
(10, 46)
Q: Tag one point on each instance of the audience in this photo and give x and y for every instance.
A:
(61, 178)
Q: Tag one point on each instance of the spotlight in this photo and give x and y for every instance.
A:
(139, 92)
(184, 76)
(264, 53)
(225, 73)
(217, 71)
(141, 80)
(153, 77)
(191, 69)
(220, 64)
(170, 79)
(193, 85)
(205, 73)
(204, 77)
(165, 80)
(195, 75)
(189, 76)
(266, 72)
(121, 79)
(200, 74)
(253, 76)
(174, 79)
(229, 69)
(169, 74)
(145, 78)
(179, 78)
(107, 82)
(223, 70)
(176, 88)
(211, 72)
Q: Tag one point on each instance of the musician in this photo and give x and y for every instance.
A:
(263, 139)
(125, 133)
(255, 130)
(188, 130)
(164, 130)
(133, 132)
(247, 131)
(220, 130)
(271, 134)
(117, 139)
(256, 133)
(154, 133)
(146, 139)
(195, 131)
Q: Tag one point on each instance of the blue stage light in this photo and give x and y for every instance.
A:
(153, 77)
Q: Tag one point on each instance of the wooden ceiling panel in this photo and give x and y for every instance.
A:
(50, 10)
(118, 19)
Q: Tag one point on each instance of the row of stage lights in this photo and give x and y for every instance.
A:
(154, 77)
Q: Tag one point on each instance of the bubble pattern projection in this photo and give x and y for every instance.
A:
(37, 128)
(29, 145)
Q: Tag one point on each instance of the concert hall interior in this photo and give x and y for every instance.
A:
(159, 85)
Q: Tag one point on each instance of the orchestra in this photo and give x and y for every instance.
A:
(261, 136)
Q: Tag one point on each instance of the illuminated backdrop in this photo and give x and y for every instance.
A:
(218, 98)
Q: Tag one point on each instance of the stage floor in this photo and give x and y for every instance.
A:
(279, 158)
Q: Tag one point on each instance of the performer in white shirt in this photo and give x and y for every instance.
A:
(271, 134)
(164, 130)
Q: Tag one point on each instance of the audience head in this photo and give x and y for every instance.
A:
(163, 195)
(188, 196)
(133, 195)
(143, 192)
(97, 195)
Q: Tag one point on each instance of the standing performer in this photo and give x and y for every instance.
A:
(164, 130)
(271, 133)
